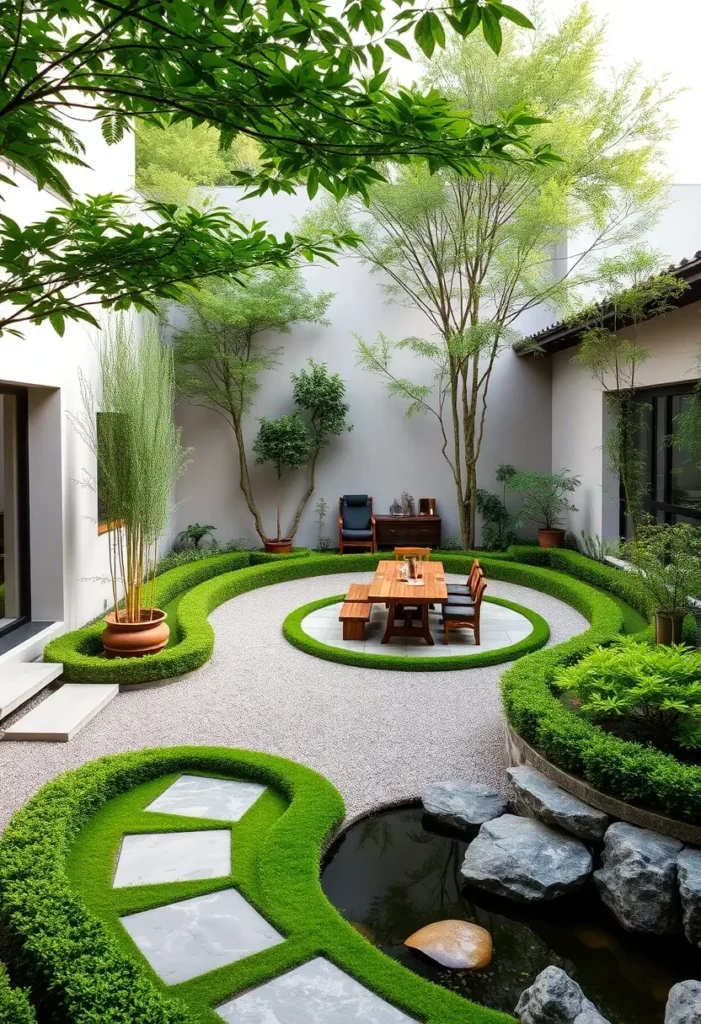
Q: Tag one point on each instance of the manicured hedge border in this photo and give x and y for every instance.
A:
(292, 629)
(212, 581)
(15, 1007)
(77, 965)
(626, 770)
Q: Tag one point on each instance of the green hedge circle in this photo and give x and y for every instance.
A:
(292, 630)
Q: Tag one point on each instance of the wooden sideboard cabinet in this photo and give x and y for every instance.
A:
(418, 531)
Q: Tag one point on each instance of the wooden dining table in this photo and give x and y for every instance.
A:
(389, 588)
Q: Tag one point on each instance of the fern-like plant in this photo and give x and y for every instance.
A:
(138, 456)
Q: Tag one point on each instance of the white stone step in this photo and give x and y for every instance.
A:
(22, 680)
(64, 713)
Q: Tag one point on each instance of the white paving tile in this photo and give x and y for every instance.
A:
(62, 715)
(196, 797)
(194, 936)
(173, 857)
(317, 992)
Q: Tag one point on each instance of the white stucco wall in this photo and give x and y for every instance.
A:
(578, 412)
(386, 453)
(66, 551)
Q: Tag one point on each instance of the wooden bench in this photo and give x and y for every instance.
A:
(355, 611)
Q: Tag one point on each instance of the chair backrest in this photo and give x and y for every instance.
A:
(423, 554)
(478, 594)
(475, 571)
(355, 511)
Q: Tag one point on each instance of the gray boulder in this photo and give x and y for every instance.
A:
(525, 860)
(684, 1003)
(689, 875)
(554, 998)
(638, 879)
(463, 805)
(538, 797)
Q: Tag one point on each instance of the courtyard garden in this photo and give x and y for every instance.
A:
(360, 770)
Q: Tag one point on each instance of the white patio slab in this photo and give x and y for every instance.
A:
(173, 857)
(191, 937)
(317, 992)
(501, 627)
(62, 715)
(21, 681)
(193, 796)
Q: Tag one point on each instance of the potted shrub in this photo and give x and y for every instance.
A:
(545, 502)
(666, 572)
(139, 457)
(286, 443)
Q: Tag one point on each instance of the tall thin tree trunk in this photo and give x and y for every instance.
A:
(306, 496)
(279, 474)
(245, 480)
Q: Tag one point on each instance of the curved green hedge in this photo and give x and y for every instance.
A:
(15, 1007)
(212, 581)
(292, 629)
(59, 912)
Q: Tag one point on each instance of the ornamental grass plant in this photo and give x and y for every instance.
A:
(138, 456)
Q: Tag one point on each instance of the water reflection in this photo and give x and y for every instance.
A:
(391, 874)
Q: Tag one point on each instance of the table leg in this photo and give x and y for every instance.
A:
(389, 628)
(425, 625)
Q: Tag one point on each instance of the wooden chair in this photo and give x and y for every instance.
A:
(356, 523)
(423, 554)
(466, 589)
(461, 616)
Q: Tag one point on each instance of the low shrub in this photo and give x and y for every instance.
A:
(647, 692)
(183, 556)
(81, 971)
(15, 1007)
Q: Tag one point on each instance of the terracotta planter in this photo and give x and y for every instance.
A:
(278, 547)
(668, 629)
(551, 538)
(136, 639)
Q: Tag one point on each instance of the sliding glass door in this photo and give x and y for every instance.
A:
(14, 509)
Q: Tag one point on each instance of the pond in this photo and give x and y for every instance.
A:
(393, 873)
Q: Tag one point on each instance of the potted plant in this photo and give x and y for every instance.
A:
(194, 533)
(286, 443)
(666, 572)
(138, 457)
(545, 501)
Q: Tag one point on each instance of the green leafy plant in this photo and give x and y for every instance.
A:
(183, 556)
(138, 457)
(285, 442)
(649, 693)
(225, 349)
(473, 256)
(545, 497)
(497, 522)
(194, 533)
(599, 548)
(321, 509)
(666, 562)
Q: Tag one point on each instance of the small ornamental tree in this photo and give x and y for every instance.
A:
(321, 396)
(284, 442)
(545, 497)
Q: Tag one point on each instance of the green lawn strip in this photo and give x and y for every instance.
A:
(292, 629)
(60, 914)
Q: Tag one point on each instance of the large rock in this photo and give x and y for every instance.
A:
(525, 860)
(684, 1003)
(538, 797)
(638, 879)
(458, 944)
(689, 875)
(554, 998)
(463, 805)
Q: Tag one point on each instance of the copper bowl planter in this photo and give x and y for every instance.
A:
(278, 547)
(136, 639)
(551, 538)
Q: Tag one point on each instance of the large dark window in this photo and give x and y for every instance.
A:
(14, 509)
(673, 480)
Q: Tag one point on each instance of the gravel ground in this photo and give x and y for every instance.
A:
(379, 736)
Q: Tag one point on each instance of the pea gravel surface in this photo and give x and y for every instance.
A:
(380, 736)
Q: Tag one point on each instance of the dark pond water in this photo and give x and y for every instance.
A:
(391, 874)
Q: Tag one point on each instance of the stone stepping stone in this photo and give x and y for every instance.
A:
(536, 796)
(173, 857)
(317, 992)
(220, 799)
(463, 805)
(191, 937)
(62, 715)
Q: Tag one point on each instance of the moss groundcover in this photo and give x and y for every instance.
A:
(60, 913)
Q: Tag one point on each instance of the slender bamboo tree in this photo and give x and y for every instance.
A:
(472, 255)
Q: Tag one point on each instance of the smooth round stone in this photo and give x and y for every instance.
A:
(456, 944)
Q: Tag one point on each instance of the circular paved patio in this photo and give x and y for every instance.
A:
(379, 736)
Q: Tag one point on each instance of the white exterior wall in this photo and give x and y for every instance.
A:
(578, 412)
(386, 453)
(65, 548)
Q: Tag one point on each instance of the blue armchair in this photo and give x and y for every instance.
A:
(356, 523)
